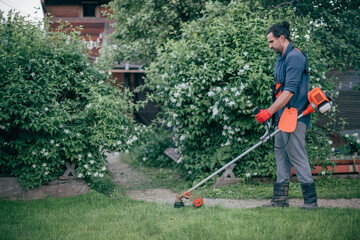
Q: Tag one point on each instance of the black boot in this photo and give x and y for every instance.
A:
(280, 195)
(309, 194)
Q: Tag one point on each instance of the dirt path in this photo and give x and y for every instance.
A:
(123, 174)
(128, 177)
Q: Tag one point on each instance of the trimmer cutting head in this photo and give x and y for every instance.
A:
(196, 199)
(178, 202)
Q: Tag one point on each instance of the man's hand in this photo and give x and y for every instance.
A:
(263, 115)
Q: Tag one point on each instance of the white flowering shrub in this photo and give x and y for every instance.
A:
(208, 82)
(55, 107)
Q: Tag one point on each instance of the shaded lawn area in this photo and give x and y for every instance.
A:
(96, 216)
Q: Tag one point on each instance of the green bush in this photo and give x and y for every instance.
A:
(208, 82)
(55, 106)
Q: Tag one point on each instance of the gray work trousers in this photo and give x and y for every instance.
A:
(293, 154)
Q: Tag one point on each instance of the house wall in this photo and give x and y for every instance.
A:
(64, 10)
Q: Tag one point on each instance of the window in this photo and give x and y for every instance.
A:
(89, 9)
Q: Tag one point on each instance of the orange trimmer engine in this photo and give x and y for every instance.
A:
(318, 101)
(196, 199)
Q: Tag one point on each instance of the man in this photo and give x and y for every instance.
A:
(292, 85)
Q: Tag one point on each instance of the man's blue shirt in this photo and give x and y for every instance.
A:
(290, 70)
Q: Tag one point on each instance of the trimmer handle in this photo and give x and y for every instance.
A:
(256, 110)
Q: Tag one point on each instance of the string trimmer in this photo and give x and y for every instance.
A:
(318, 101)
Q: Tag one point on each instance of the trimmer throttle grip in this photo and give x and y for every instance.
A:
(256, 110)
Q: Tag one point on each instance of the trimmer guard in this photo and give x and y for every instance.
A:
(196, 199)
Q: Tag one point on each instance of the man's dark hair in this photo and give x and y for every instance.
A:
(280, 29)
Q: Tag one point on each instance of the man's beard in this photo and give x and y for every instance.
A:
(277, 50)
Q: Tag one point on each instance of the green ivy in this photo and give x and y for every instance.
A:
(55, 107)
(208, 82)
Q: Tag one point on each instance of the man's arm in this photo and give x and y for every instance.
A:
(280, 102)
(294, 69)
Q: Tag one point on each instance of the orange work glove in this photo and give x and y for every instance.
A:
(262, 116)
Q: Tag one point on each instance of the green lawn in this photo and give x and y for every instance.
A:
(114, 216)
(96, 216)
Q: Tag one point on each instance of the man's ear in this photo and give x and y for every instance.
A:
(283, 38)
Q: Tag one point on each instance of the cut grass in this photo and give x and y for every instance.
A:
(96, 216)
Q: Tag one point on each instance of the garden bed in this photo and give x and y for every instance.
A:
(344, 165)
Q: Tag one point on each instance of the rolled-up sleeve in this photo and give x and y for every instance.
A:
(295, 65)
